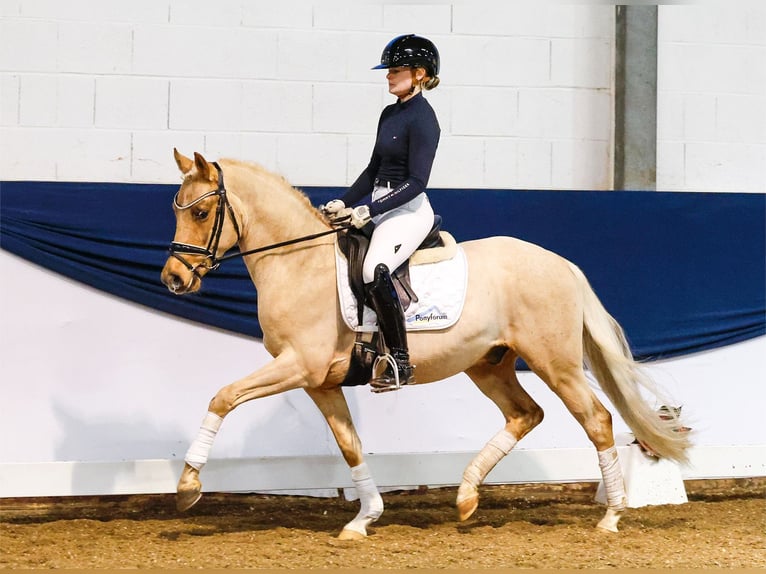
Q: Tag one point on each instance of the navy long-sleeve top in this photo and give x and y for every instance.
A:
(405, 147)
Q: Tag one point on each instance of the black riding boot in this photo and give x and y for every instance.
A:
(389, 373)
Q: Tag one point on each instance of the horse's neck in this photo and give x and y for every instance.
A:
(272, 213)
(290, 281)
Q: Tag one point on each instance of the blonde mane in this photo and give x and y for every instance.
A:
(274, 182)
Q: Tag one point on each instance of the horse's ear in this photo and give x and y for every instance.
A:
(184, 163)
(203, 167)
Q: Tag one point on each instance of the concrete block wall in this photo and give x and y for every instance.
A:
(102, 90)
(712, 97)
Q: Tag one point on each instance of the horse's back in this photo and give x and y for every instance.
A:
(515, 256)
(519, 280)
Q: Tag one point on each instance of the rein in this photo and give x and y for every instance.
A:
(177, 249)
(281, 244)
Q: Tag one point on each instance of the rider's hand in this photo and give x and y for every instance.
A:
(340, 218)
(333, 207)
(360, 216)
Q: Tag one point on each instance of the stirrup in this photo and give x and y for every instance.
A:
(385, 375)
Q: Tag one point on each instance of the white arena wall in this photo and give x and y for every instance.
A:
(102, 396)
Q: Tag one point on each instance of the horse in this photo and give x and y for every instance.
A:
(521, 301)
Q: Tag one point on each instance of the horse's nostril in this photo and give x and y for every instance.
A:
(173, 282)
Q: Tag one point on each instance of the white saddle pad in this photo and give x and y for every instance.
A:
(440, 288)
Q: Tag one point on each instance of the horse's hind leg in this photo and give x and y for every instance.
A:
(521, 412)
(334, 407)
(571, 386)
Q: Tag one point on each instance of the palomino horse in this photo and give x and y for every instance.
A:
(521, 301)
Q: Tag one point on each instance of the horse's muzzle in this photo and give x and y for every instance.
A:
(179, 279)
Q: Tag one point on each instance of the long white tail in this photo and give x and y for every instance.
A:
(608, 356)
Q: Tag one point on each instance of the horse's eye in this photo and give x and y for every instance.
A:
(200, 214)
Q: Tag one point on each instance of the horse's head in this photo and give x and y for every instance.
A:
(206, 226)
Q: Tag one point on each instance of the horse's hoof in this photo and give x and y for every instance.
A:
(467, 500)
(189, 489)
(186, 499)
(466, 507)
(347, 534)
(610, 520)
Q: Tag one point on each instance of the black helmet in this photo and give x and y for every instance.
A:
(412, 51)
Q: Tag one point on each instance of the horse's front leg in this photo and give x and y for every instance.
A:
(332, 403)
(284, 373)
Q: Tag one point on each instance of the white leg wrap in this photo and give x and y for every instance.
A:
(614, 485)
(196, 456)
(475, 473)
(369, 497)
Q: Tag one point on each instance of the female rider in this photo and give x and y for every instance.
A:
(390, 192)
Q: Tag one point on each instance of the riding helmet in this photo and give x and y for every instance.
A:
(411, 51)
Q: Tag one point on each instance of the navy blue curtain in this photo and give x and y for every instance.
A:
(682, 272)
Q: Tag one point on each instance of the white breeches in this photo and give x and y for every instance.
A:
(398, 233)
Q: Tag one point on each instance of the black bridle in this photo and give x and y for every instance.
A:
(211, 261)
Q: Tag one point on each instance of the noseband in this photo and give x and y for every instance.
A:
(211, 261)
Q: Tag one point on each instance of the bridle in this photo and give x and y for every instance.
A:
(211, 261)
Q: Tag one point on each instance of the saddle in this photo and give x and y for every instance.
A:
(354, 244)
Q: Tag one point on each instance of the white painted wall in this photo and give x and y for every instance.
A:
(712, 97)
(102, 90)
(95, 391)
(78, 387)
